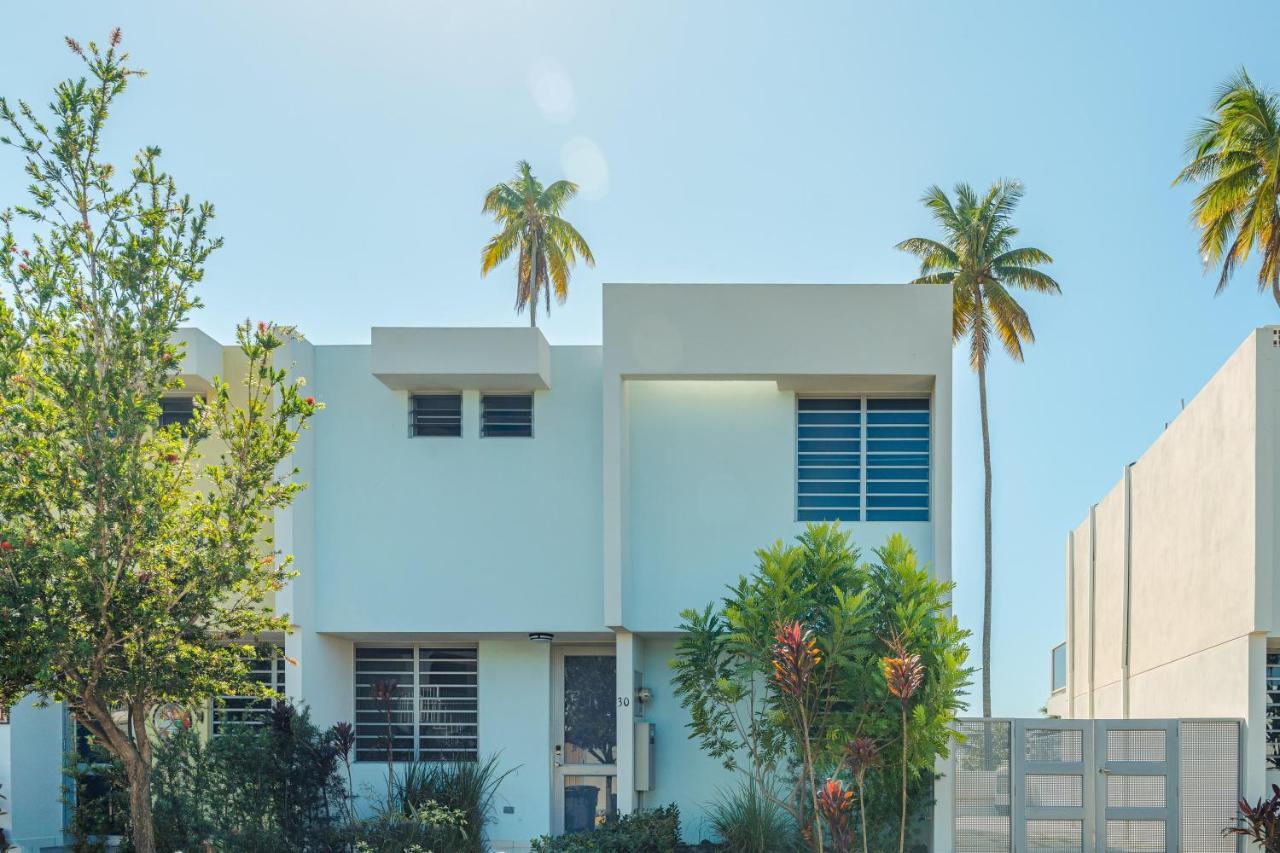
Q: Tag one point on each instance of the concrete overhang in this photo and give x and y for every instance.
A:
(879, 383)
(202, 359)
(493, 359)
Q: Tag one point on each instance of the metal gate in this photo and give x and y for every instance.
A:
(1095, 786)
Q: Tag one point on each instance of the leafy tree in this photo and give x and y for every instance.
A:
(528, 215)
(132, 573)
(785, 678)
(1236, 153)
(976, 257)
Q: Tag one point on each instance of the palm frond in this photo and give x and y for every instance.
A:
(1026, 278)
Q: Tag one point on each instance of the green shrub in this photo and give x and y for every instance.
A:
(430, 827)
(276, 787)
(747, 822)
(465, 787)
(653, 831)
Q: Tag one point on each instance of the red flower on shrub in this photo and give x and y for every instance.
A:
(903, 671)
(795, 657)
(835, 802)
(6, 545)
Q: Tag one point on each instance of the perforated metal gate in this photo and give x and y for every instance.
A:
(1095, 786)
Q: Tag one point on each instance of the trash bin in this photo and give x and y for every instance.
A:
(580, 807)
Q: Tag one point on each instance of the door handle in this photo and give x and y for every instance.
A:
(557, 757)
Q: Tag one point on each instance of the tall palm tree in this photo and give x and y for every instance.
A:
(1236, 152)
(976, 257)
(549, 247)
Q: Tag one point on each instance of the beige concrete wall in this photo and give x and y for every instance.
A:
(1192, 529)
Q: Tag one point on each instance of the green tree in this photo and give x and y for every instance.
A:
(976, 257)
(1236, 154)
(132, 572)
(529, 218)
(786, 671)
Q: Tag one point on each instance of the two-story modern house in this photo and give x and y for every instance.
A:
(506, 531)
(1172, 593)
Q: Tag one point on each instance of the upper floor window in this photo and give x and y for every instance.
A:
(862, 458)
(897, 459)
(435, 415)
(418, 701)
(506, 415)
(177, 410)
(828, 458)
(234, 711)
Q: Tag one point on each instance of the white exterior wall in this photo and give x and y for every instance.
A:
(660, 461)
(1198, 508)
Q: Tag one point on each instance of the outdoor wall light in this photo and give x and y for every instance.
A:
(644, 695)
(541, 636)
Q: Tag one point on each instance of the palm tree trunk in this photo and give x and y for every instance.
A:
(986, 518)
(533, 311)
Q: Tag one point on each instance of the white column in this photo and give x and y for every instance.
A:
(630, 664)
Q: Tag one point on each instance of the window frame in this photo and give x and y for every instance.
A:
(412, 412)
(532, 412)
(416, 710)
(863, 430)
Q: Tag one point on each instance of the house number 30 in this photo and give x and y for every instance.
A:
(624, 701)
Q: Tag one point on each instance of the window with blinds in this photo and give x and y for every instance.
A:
(418, 701)
(435, 415)
(862, 458)
(234, 711)
(506, 415)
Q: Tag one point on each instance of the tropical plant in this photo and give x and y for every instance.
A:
(748, 822)
(547, 246)
(903, 673)
(1260, 822)
(467, 787)
(861, 755)
(788, 670)
(131, 571)
(977, 259)
(1236, 154)
(835, 804)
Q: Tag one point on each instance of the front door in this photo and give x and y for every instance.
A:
(584, 737)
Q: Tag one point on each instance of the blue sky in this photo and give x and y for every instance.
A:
(347, 147)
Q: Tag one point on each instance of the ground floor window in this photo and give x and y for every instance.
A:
(235, 711)
(416, 703)
(1273, 709)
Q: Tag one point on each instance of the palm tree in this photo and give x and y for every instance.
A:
(1236, 152)
(529, 216)
(976, 257)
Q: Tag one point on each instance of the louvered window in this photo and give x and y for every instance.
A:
(506, 415)
(233, 711)
(419, 700)
(897, 459)
(828, 458)
(177, 410)
(435, 415)
(862, 458)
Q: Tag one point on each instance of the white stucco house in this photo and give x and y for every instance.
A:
(493, 521)
(1173, 577)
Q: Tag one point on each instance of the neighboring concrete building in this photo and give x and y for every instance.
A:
(498, 523)
(1173, 608)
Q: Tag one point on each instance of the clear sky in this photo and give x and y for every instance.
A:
(347, 146)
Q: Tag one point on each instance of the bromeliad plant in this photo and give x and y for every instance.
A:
(787, 672)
